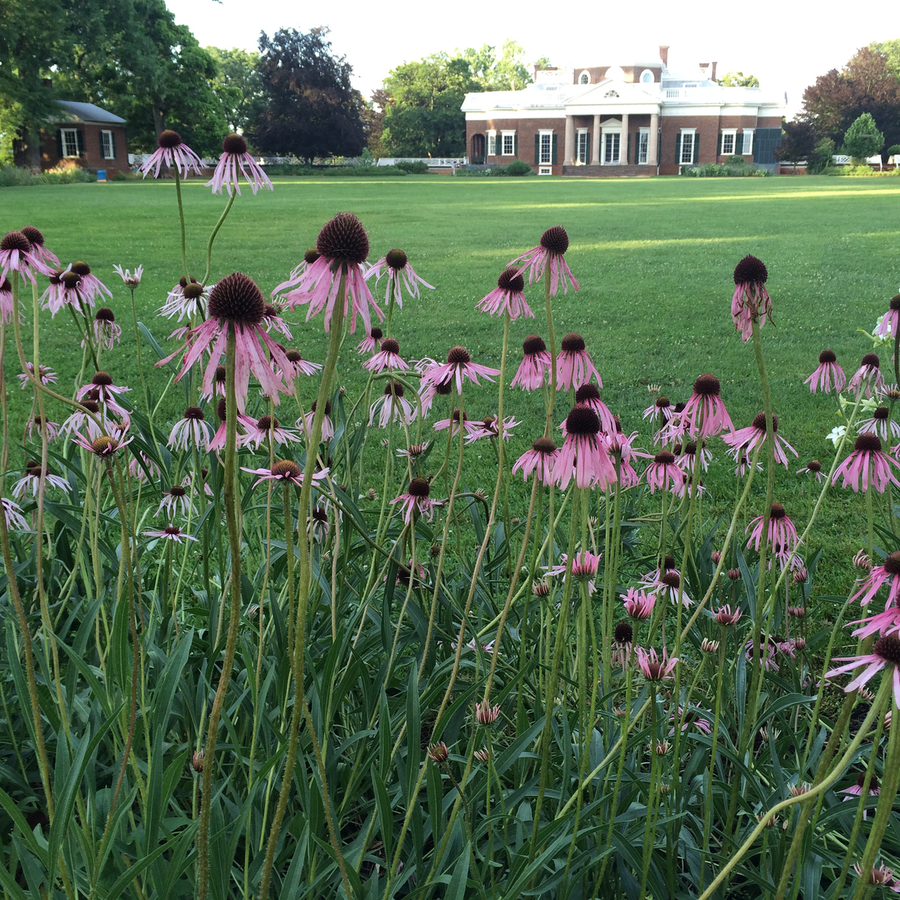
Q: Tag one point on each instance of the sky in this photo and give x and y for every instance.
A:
(785, 45)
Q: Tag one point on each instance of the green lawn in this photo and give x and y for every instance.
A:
(654, 258)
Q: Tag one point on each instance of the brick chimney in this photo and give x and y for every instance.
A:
(712, 76)
(664, 54)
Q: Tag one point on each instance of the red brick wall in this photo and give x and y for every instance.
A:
(526, 130)
(92, 158)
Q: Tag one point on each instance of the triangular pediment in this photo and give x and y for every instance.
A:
(611, 92)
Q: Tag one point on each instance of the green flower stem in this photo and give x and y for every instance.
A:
(551, 337)
(298, 650)
(212, 237)
(289, 557)
(876, 710)
(181, 220)
(652, 793)
(234, 544)
(707, 817)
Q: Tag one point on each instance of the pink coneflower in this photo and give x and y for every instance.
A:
(554, 243)
(392, 405)
(868, 463)
(172, 151)
(667, 564)
(458, 421)
(37, 425)
(727, 616)
(664, 474)
(101, 389)
(234, 162)
(387, 358)
(856, 790)
(371, 343)
(881, 424)
(888, 571)
(459, 366)
(429, 391)
(18, 255)
(298, 365)
(38, 247)
(91, 288)
(46, 375)
(186, 300)
(30, 483)
(485, 714)
(128, 279)
(661, 409)
(878, 875)
(705, 414)
(260, 430)
(7, 306)
(177, 501)
(889, 326)
(343, 246)
(507, 297)
(416, 500)
(589, 394)
(813, 468)
(535, 366)
(622, 451)
(573, 364)
(170, 533)
(400, 276)
(306, 422)
(583, 453)
(12, 512)
(81, 419)
(190, 431)
(750, 302)
(782, 536)
(274, 321)
(62, 291)
(237, 304)
(638, 603)
(652, 667)
(413, 452)
(767, 653)
(106, 332)
(298, 272)
(868, 375)
(674, 428)
(103, 446)
(691, 455)
(489, 427)
(584, 565)
(317, 525)
(285, 471)
(885, 652)
(829, 374)
(746, 440)
(690, 718)
(540, 459)
(669, 585)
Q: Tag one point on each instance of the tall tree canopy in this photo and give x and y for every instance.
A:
(508, 72)
(867, 84)
(238, 87)
(739, 79)
(311, 108)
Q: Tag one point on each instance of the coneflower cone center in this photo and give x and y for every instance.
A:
(70, 280)
(105, 314)
(750, 270)
(310, 256)
(892, 563)
(827, 356)
(572, 343)
(895, 300)
(533, 344)
(555, 239)
(234, 143)
(236, 298)
(872, 360)
(624, 633)
(458, 356)
(586, 393)
(671, 580)
(888, 648)
(81, 268)
(868, 442)
(707, 386)
(286, 468)
(394, 388)
(264, 423)
(777, 511)
(177, 491)
(169, 139)
(663, 403)
(172, 529)
(103, 378)
(419, 487)
(582, 420)
(376, 334)
(396, 259)
(390, 345)
(881, 413)
(15, 240)
(759, 422)
(221, 410)
(343, 239)
(664, 458)
(814, 465)
(194, 412)
(511, 280)
(33, 235)
(543, 445)
(103, 445)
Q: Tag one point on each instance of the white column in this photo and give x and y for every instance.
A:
(595, 142)
(569, 156)
(653, 149)
(623, 146)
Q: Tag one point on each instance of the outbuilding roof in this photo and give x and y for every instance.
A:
(73, 111)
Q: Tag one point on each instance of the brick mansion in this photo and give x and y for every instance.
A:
(638, 119)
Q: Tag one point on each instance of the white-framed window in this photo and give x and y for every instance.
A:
(687, 147)
(546, 146)
(581, 147)
(107, 146)
(615, 73)
(728, 141)
(492, 143)
(612, 145)
(69, 141)
(545, 170)
(646, 77)
(643, 147)
(584, 78)
(509, 143)
(747, 149)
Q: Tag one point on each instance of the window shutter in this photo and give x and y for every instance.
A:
(516, 144)
(537, 149)
(719, 150)
(678, 149)
(587, 149)
(696, 147)
(553, 144)
(80, 136)
(739, 144)
(59, 143)
(628, 149)
(112, 136)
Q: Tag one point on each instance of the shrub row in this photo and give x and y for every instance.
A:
(19, 176)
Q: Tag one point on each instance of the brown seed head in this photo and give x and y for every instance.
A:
(582, 420)
(15, 240)
(544, 446)
(194, 412)
(664, 458)
(35, 238)
(511, 280)
(827, 356)
(177, 491)
(868, 442)
(419, 487)
(707, 386)
(102, 378)
(888, 648)
(759, 422)
(286, 468)
(390, 345)
(343, 239)
(750, 270)
(586, 393)
(623, 633)
(533, 344)
(555, 240)
(393, 388)
(892, 563)
(234, 143)
(396, 259)
(169, 139)
(104, 314)
(871, 360)
(572, 343)
(236, 298)
(458, 356)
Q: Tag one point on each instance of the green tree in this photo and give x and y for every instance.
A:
(238, 87)
(423, 116)
(798, 142)
(739, 79)
(311, 109)
(863, 139)
(508, 73)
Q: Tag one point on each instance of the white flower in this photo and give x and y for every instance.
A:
(837, 433)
